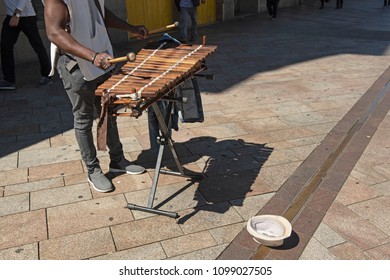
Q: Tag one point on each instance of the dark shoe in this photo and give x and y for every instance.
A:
(99, 181)
(6, 85)
(321, 7)
(125, 166)
(44, 81)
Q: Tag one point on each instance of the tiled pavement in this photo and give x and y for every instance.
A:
(296, 124)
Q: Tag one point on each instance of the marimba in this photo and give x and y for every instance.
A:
(159, 68)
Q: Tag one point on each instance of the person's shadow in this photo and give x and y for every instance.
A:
(230, 169)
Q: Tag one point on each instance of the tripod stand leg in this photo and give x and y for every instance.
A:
(156, 175)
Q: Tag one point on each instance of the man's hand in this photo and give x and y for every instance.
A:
(14, 21)
(140, 31)
(101, 60)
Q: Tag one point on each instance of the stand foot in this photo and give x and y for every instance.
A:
(153, 211)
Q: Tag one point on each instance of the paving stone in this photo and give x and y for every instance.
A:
(270, 178)
(58, 196)
(226, 234)
(207, 217)
(382, 188)
(369, 210)
(23, 252)
(368, 175)
(63, 140)
(14, 204)
(15, 176)
(39, 157)
(353, 227)
(22, 228)
(379, 253)
(291, 133)
(34, 186)
(354, 191)
(188, 243)
(9, 162)
(48, 171)
(278, 156)
(92, 214)
(78, 246)
(348, 251)
(238, 115)
(261, 125)
(220, 131)
(327, 237)
(148, 252)
(316, 251)
(145, 231)
(249, 206)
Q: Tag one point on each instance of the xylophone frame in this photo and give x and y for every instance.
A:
(165, 140)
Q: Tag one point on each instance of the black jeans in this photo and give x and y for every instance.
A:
(9, 36)
(272, 6)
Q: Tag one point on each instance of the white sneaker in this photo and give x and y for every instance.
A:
(7, 85)
(99, 181)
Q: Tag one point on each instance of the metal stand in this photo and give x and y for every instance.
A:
(164, 140)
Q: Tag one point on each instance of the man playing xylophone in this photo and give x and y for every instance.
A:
(78, 29)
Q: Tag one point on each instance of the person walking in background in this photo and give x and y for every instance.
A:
(188, 12)
(272, 6)
(78, 29)
(387, 3)
(21, 17)
(339, 4)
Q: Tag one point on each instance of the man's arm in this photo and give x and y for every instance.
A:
(14, 21)
(21, 4)
(56, 20)
(113, 21)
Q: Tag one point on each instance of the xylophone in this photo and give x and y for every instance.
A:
(152, 75)
(159, 68)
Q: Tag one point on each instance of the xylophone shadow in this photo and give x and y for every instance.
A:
(230, 170)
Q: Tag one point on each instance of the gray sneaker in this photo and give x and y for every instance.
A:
(99, 181)
(125, 166)
(7, 85)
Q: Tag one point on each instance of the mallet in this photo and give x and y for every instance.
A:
(165, 28)
(129, 57)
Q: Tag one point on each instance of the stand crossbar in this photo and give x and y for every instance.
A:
(165, 140)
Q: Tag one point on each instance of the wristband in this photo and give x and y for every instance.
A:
(94, 57)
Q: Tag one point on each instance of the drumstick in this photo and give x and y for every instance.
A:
(161, 29)
(130, 57)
